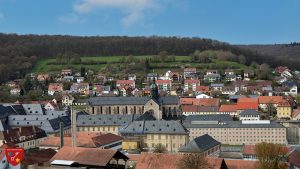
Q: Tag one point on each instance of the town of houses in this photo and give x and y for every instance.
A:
(125, 118)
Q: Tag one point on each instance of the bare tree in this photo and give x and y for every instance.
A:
(271, 155)
(159, 148)
(193, 161)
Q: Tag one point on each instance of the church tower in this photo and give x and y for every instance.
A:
(154, 91)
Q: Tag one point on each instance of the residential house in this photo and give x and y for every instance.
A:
(211, 78)
(86, 140)
(296, 114)
(281, 69)
(51, 106)
(66, 72)
(132, 77)
(228, 90)
(248, 74)
(43, 77)
(170, 134)
(24, 137)
(286, 74)
(284, 110)
(68, 78)
(247, 103)
(189, 71)
(229, 72)
(230, 109)
(79, 79)
(174, 76)
(211, 71)
(249, 114)
(202, 89)
(152, 76)
(55, 88)
(67, 99)
(292, 87)
(164, 84)
(217, 87)
(280, 79)
(191, 85)
(203, 96)
(82, 88)
(230, 77)
(205, 145)
(79, 157)
(125, 83)
(266, 101)
(15, 91)
(249, 152)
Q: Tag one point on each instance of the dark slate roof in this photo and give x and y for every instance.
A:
(249, 112)
(231, 124)
(212, 117)
(94, 101)
(48, 123)
(145, 116)
(6, 111)
(154, 127)
(200, 144)
(105, 119)
(19, 109)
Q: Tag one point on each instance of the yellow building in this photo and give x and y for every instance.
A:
(170, 134)
(105, 123)
(284, 110)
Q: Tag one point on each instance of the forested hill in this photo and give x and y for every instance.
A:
(18, 53)
(286, 54)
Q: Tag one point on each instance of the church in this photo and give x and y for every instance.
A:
(160, 107)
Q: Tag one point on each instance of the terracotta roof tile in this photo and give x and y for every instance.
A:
(162, 81)
(192, 81)
(200, 102)
(270, 99)
(202, 89)
(241, 164)
(228, 108)
(87, 156)
(125, 82)
(294, 158)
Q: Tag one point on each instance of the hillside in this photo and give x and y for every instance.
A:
(286, 54)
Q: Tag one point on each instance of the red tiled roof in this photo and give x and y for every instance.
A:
(284, 104)
(87, 156)
(38, 157)
(270, 99)
(162, 81)
(241, 164)
(189, 108)
(169, 161)
(55, 87)
(202, 88)
(228, 108)
(295, 112)
(247, 103)
(84, 139)
(125, 82)
(189, 81)
(29, 132)
(200, 102)
(294, 158)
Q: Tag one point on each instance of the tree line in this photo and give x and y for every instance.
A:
(19, 53)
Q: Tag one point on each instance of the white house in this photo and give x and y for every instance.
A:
(203, 96)
(249, 114)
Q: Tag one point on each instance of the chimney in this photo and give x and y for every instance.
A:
(20, 129)
(73, 127)
(61, 125)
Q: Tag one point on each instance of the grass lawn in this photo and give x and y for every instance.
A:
(180, 61)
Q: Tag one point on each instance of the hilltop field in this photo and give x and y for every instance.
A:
(132, 64)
